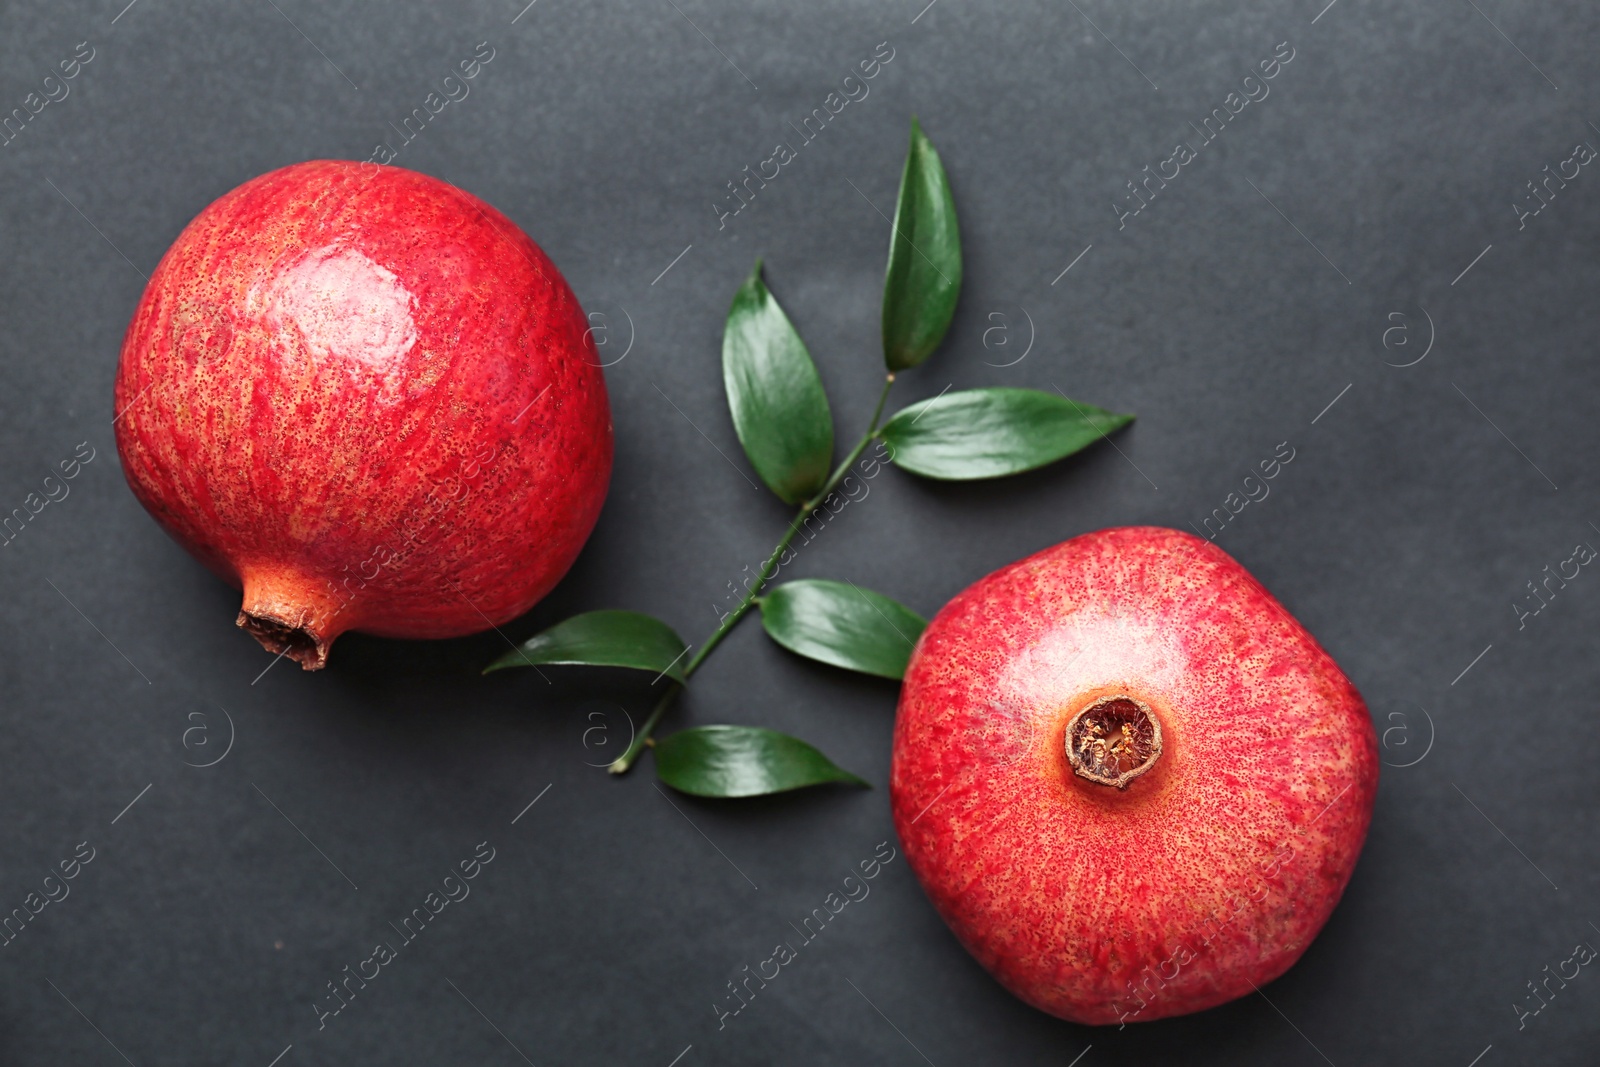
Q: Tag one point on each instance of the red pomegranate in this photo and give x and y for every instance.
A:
(369, 399)
(1129, 781)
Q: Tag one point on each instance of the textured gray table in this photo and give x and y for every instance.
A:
(1371, 189)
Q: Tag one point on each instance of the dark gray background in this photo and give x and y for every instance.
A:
(1396, 141)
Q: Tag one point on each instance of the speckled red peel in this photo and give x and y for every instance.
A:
(370, 400)
(1129, 781)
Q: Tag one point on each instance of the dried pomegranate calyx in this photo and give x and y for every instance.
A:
(285, 639)
(1113, 740)
(293, 613)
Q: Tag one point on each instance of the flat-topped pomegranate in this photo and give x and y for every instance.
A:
(1129, 781)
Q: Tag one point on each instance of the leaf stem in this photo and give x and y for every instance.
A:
(624, 762)
(621, 764)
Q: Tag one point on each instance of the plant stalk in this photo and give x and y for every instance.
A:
(624, 762)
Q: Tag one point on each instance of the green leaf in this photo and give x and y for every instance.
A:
(603, 639)
(742, 761)
(985, 433)
(924, 276)
(842, 624)
(779, 409)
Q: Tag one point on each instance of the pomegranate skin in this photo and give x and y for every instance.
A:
(1206, 876)
(368, 399)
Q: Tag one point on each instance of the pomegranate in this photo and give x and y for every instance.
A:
(370, 400)
(1129, 781)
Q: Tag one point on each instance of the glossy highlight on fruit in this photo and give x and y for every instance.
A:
(1129, 781)
(369, 399)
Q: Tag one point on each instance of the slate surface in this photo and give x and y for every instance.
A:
(1371, 190)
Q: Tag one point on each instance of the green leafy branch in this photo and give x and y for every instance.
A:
(781, 415)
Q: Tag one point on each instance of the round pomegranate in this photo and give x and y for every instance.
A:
(370, 400)
(1129, 781)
